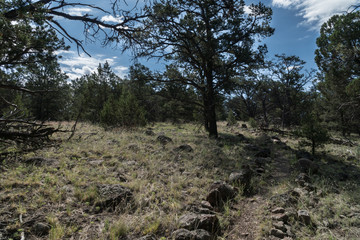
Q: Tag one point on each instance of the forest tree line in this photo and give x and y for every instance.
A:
(213, 69)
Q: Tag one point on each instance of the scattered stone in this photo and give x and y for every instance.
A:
(206, 204)
(219, 193)
(243, 125)
(184, 234)
(278, 210)
(201, 234)
(184, 148)
(193, 221)
(302, 179)
(307, 165)
(259, 170)
(281, 217)
(277, 233)
(41, 229)
(149, 132)
(199, 209)
(279, 225)
(113, 195)
(264, 153)
(163, 139)
(304, 217)
(147, 237)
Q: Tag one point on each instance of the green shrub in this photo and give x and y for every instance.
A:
(315, 133)
(231, 120)
(253, 123)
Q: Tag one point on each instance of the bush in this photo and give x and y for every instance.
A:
(253, 123)
(315, 133)
(231, 120)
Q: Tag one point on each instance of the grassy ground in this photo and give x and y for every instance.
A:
(60, 190)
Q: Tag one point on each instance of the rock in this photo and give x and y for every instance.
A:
(184, 148)
(206, 204)
(304, 217)
(277, 233)
(219, 193)
(41, 229)
(264, 153)
(163, 139)
(147, 237)
(243, 125)
(201, 234)
(184, 234)
(302, 179)
(149, 132)
(113, 195)
(192, 221)
(199, 209)
(278, 210)
(281, 217)
(279, 225)
(307, 165)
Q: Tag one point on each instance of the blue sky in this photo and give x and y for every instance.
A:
(296, 22)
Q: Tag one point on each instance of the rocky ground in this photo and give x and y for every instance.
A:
(172, 182)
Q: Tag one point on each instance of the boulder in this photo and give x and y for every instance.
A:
(41, 229)
(277, 233)
(242, 178)
(278, 210)
(193, 221)
(149, 132)
(163, 139)
(184, 234)
(113, 196)
(219, 193)
(304, 217)
(184, 148)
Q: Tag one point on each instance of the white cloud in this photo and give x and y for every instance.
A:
(78, 11)
(75, 65)
(110, 18)
(315, 12)
(247, 9)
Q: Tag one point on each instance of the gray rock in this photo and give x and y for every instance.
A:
(149, 132)
(277, 233)
(243, 125)
(114, 195)
(278, 210)
(163, 139)
(182, 234)
(184, 148)
(147, 237)
(279, 225)
(304, 217)
(281, 217)
(219, 193)
(192, 221)
(41, 229)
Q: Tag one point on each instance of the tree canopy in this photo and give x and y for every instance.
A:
(208, 42)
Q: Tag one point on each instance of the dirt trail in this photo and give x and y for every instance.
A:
(247, 225)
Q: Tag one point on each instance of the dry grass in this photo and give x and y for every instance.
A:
(63, 191)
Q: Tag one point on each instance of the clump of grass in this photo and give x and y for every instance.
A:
(118, 230)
